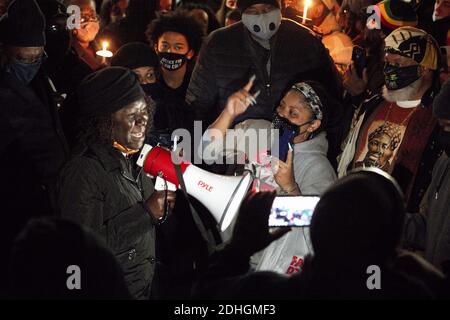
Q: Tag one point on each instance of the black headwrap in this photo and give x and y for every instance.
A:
(107, 91)
(23, 25)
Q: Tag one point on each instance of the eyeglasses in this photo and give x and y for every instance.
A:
(88, 18)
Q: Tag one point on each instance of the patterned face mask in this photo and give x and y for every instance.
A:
(400, 77)
(171, 61)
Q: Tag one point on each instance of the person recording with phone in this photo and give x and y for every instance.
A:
(364, 77)
(305, 111)
(305, 108)
(338, 268)
(302, 113)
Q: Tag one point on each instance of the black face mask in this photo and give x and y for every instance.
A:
(288, 131)
(171, 61)
(444, 141)
(152, 90)
(283, 124)
(399, 77)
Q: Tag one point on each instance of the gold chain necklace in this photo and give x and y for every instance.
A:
(386, 118)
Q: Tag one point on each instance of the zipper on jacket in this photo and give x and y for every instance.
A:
(134, 182)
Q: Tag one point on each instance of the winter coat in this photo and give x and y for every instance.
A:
(100, 190)
(312, 170)
(231, 56)
(437, 236)
(32, 151)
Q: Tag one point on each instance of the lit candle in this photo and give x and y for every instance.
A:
(104, 53)
(305, 10)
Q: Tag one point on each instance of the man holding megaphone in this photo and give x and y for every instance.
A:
(102, 189)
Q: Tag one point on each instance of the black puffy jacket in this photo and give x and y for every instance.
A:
(32, 151)
(230, 56)
(98, 190)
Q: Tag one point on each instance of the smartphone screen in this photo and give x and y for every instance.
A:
(359, 59)
(292, 211)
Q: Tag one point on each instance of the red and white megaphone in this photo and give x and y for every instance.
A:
(221, 195)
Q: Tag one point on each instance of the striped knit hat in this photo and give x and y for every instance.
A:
(395, 14)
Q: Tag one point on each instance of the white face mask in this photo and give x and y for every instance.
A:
(263, 26)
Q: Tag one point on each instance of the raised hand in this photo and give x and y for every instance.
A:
(239, 101)
(284, 173)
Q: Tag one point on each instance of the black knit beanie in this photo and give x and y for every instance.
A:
(107, 91)
(23, 25)
(244, 4)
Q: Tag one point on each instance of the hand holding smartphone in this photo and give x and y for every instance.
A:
(292, 211)
(359, 59)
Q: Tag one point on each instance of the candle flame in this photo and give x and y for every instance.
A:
(105, 53)
(305, 10)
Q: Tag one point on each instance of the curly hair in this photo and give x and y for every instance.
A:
(177, 21)
(390, 129)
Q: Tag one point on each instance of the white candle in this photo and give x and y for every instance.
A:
(305, 10)
(104, 48)
(104, 53)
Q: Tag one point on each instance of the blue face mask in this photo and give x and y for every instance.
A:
(263, 26)
(24, 72)
(288, 131)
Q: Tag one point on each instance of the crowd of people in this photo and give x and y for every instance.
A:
(356, 91)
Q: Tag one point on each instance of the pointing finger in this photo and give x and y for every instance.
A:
(249, 84)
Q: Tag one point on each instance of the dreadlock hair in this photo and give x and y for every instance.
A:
(177, 21)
